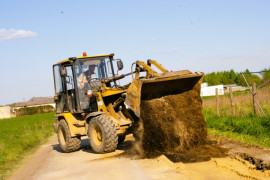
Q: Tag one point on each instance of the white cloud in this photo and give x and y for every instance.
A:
(15, 34)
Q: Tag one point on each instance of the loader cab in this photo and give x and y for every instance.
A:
(75, 77)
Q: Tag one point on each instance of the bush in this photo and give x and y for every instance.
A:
(34, 110)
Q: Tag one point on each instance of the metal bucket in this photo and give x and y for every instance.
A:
(168, 83)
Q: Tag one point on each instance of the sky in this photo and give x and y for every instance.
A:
(205, 36)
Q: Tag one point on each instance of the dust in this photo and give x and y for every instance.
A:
(173, 125)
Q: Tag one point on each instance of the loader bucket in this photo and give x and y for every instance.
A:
(167, 84)
(170, 111)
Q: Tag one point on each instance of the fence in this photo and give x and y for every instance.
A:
(241, 103)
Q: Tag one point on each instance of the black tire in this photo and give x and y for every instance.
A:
(121, 138)
(102, 134)
(66, 142)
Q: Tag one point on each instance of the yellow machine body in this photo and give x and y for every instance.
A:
(121, 104)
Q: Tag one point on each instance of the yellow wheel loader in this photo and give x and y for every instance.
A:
(90, 101)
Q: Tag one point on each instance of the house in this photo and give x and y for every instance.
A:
(234, 88)
(36, 101)
(211, 90)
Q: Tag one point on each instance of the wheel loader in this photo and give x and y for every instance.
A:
(90, 102)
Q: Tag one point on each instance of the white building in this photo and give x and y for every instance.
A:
(5, 112)
(234, 87)
(211, 90)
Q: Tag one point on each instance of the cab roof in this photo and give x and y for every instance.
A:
(71, 59)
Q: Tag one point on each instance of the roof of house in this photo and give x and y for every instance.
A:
(36, 101)
(230, 85)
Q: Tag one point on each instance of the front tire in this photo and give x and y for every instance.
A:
(66, 142)
(102, 134)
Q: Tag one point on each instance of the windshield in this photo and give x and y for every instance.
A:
(89, 72)
(91, 66)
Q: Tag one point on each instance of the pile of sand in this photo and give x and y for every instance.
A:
(172, 124)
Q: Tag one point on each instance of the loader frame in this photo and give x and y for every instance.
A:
(114, 110)
(108, 99)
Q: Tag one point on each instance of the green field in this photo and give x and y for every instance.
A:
(247, 129)
(244, 126)
(20, 136)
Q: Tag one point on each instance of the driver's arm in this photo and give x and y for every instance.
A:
(82, 80)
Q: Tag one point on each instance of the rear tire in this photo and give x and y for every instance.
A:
(102, 134)
(66, 142)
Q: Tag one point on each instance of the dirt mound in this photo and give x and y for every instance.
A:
(198, 153)
(172, 123)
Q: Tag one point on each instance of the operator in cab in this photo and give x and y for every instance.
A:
(87, 76)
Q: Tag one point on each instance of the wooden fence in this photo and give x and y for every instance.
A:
(257, 109)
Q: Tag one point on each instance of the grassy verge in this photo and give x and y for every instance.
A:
(21, 135)
(248, 129)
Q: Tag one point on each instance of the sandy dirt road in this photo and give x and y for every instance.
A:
(50, 163)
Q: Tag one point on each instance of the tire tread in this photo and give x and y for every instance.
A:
(111, 137)
(72, 143)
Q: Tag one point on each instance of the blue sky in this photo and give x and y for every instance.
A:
(207, 36)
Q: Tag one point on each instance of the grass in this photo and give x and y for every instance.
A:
(243, 138)
(244, 126)
(248, 129)
(21, 135)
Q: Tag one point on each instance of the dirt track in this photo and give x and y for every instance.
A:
(50, 163)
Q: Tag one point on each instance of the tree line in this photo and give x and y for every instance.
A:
(232, 77)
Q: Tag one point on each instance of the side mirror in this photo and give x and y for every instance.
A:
(120, 65)
(63, 71)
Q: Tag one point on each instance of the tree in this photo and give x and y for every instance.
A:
(266, 75)
(250, 79)
(212, 79)
(231, 77)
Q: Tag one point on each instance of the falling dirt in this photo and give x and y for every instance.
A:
(173, 125)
